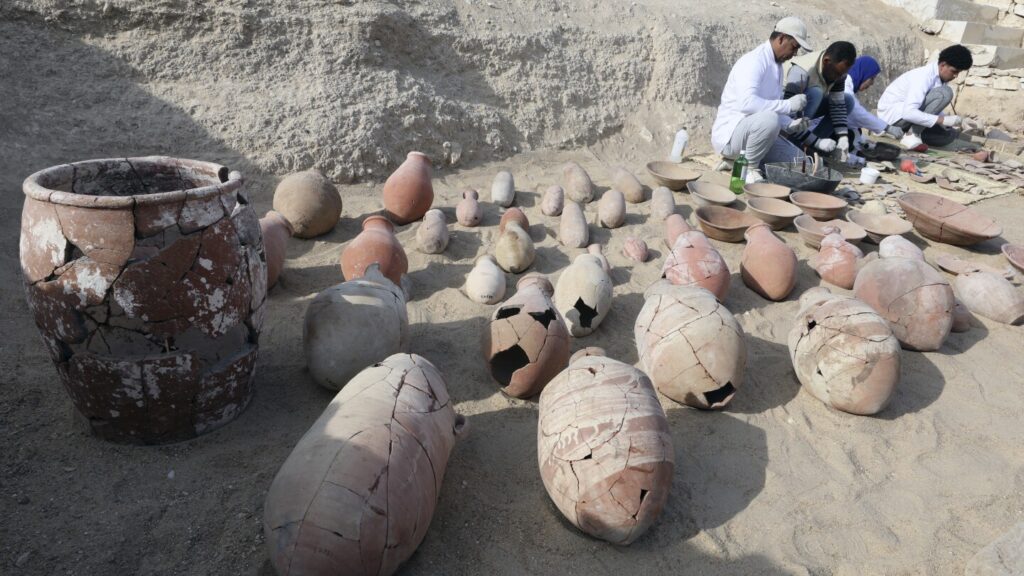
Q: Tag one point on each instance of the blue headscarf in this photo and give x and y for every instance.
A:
(864, 68)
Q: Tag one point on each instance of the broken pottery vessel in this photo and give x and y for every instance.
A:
(837, 259)
(899, 247)
(844, 353)
(553, 201)
(992, 296)
(915, 298)
(514, 250)
(514, 214)
(961, 318)
(527, 342)
(675, 225)
(583, 294)
(572, 227)
(576, 183)
(432, 234)
(335, 336)
(595, 249)
(690, 345)
(943, 220)
(358, 492)
(663, 203)
(694, 261)
(768, 266)
(309, 201)
(276, 231)
(147, 279)
(611, 210)
(376, 243)
(503, 189)
(604, 448)
(635, 249)
(408, 192)
(469, 213)
(624, 181)
(485, 283)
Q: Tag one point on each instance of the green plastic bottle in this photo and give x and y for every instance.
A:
(739, 174)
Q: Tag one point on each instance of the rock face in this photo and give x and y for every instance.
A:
(358, 492)
(503, 189)
(143, 252)
(432, 234)
(376, 244)
(276, 231)
(408, 192)
(690, 345)
(514, 250)
(844, 353)
(991, 296)
(605, 449)
(584, 294)
(334, 334)
(693, 261)
(572, 229)
(309, 201)
(914, 297)
(485, 283)
(468, 212)
(576, 183)
(837, 259)
(769, 265)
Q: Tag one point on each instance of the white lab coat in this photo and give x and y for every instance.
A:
(859, 117)
(902, 100)
(754, 85)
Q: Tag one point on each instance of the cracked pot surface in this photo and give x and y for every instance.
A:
(693, 261)
(914, 297)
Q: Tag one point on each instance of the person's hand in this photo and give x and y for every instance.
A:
(797, 103)
(798, 125)
(826, 145)
(894, 131)
(950, 121)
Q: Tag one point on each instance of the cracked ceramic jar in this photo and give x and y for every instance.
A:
(693, 261)
(915, 298)
(583, 295)
(147, 279)
(378, 244)
(837, 259)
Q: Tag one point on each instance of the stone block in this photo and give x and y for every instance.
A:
(1006, 83)
(976, 33)
(997, 56)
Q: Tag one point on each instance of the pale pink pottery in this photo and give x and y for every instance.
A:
(992, 296)
(572, 226)
(375, 244)
(408, 192)
(961, 317)
(837, 259)
(469, 213)
(675, 225)
(513, 214)
(915, 298)
(276, 231)
(624, 181)
(576, 183)
(693, 261)
(611, 210)
(553, 201)
(768, 266)
(635, 249)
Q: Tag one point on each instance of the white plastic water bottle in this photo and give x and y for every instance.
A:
(679, 146)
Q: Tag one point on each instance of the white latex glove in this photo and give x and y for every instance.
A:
(894, 131)
(826, 145)
(797, 103)
(950, 121)
(843, 144)
(798, 125)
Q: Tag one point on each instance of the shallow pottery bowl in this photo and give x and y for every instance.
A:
(943, 220)
(776, 213)
(1015, 254)
(725, 224)
(878, 226)
(671, 175)
(709, 194)
(812, 231)
(817, 205)
(767, 190)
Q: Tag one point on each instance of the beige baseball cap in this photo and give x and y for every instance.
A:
(795, 27)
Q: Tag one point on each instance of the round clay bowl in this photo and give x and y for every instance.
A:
(943, 220)
(767, 190)
(708, 194)
(776, 213)
(1015, 254)
(725, 224)
(812, 231)
(671, 175)
(878, 226)
(817, 205)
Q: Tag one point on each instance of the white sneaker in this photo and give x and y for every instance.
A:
(724, 166)
(754, 176)
(911, 141)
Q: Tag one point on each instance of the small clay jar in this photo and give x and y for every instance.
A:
(837, 259)
(576, 183)
(469, 213)
(310, 203)
(899, 247)
(624, 181)
(572, 229)
(595, 250)
(276, 231)
(432, 234)
(503, 189)
(768, 266)
(583, 294)
(408, 192)
(376, 243)
(514, 250)
(675, 225)
(513, 214)
(611, 210)
(663, 204)
(992, 296)
(485, 283)
(693, 261)
(553, 201)
(635, 249)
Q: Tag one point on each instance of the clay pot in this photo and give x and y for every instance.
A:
(469, 212)
(485, 283)
(408, 192)
(844, 353)
(611, 211)
(357, 493)
(503, 189)
(609, 481)
(276, 231)
(513, 214)
(595, 250)
(624, 181)
(991, 296)
(572, 229)
(309, 201)
(553, 201)
(576, 183)
(527, 342)
(663, 204)
(899, 247)
(635, 249)
(432, 234)
(694, 261)
(961, 317)
(837, 259)
(146, 251)
(583, 295)
(335, 337)
(690, 345)
(943, 220)
(514, 250)
(768, 266)
(675, 225)
(914, 297)
(376, 243)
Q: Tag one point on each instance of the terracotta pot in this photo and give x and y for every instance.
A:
(844, 353)
(624, 181)
(961, 318)
(335, 336)
(576, 183)
(635, 249)
(143, 252)
(468, 212)
(553, 201)
(690, 345)
(309, 201)
(595, 250)
(991, 296)
(432, 234)
(408, 192)
(899, 247)
(503, 189)
(276, 231)
(663, 204)
(514, 214)
(675, 225)
(611, 210)
(376, 243)
(514, 250)
(914, 297)
(583, 295)
(769, 265)
(485, 283)
(572, 229)
(837, 259)
(693, 261)
(527, 342)
(609, 481)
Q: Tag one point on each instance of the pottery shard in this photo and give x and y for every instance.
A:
(576, 183)
(914, 297)
(219, 279)
(43, 245)
(225, 390)
(694, 261)
(199, 213)
(991, 296)
(624, 181)
(58, 313)
(106, 236)
(153, 218)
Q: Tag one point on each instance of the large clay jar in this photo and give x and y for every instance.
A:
(914, 297)
(844, 353)
(576, 183)
(357, 493)
(432, 234)
(276, 231)
(611, 210)
(769, 265)
(991, 296)
(468, 212)
(514, 214)
(583, 294)
(514, 250)
(553, 201)
(624, 181)
(335, 336)
(309, 201)
(147, 279)
(485, 283)
(503, 189)
(595, 249)
(527, 342)
(375, 244)
(899, 247)
(572, 229)
(605, 449)
(690, 345)
(693, 261)
(663, 204)
(408, 192)
(837, 259)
